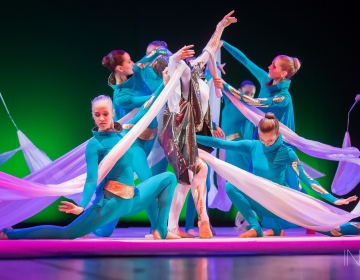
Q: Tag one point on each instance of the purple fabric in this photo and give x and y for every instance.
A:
(347, 175)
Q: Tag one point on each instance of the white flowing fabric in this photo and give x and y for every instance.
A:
(217, 197)
(310, 147)
(347, 175)
(12, 188)
(4, 157)
(289, 204)
(34, 157)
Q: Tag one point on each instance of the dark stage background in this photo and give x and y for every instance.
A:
(50, 66)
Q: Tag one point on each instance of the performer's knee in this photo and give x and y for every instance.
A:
(201, 168)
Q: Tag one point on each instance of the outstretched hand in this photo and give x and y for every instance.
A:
(228, 19)
(185, 52)
(346, 200)
(69, 207)
(218, 82)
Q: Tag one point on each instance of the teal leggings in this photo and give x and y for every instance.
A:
(141, 149)
(159, 188)
(246, 205)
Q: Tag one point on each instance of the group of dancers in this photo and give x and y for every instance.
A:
(186, 127)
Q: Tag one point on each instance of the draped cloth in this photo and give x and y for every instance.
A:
(347, 175)
(4, 157)
(46, 185)
(288, 204)
(310, 147)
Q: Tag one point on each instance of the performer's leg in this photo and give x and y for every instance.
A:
(190, 214)
(143, 171)
(177, 204)
(190, 207)
(158, 188)
(198, 190)
(92, 219)
(350, 228)
(160, 167)
(106, 230)
(243, 205)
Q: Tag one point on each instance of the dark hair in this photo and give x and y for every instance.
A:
(269, 123)
(246, 82)
(113, 59)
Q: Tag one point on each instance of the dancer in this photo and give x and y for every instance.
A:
(274, 85)
(270, 159)
(130, 92)
(236, 126)
(157, 65)
(116, 196)
(182, 120)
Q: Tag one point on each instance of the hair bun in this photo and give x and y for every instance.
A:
(297, 63)
(106, 61)
(270, 116)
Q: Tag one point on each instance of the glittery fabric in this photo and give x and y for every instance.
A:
(178, 136)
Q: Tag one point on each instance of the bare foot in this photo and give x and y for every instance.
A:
(204, 230)
(3, 236)
(182, 234)
(250, 233)
(85, 236)
(169, 235)
(270, 232)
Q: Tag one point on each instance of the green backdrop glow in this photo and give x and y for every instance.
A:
(50, 63)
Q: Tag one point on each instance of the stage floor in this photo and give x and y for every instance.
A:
(131, 242)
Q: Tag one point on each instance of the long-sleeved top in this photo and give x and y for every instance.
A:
(274, 98)
(134, 92)
(270, 162)
(100, 145)
(234, 124)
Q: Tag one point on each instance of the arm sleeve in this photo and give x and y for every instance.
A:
(281, 99)
(146, 60)
(243, 146)
(144, 108)
(307, 180)
(125, 99)
(92, 162)
(259, 73)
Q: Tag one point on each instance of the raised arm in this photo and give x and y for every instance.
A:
(126, 99)
(313, 184)
(243, 147)
(213, 45)
(259, 73)
(148, 59)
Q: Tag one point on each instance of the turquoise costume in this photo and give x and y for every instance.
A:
(131, 94)
(236, 127)
(272, 98)
(271, 163)
(108, 207)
